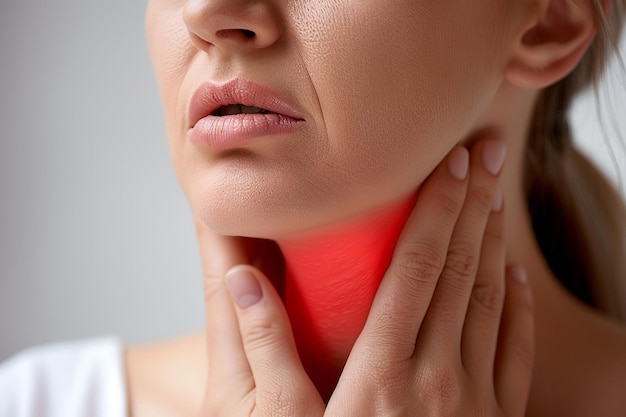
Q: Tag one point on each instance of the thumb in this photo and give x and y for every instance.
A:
(282, 385)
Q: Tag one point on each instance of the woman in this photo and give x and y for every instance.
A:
(340, 131)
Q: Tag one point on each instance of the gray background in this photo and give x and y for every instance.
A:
(95, 236)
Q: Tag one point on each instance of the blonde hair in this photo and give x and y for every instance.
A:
(578, 217)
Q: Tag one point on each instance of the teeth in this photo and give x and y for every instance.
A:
(239, 109)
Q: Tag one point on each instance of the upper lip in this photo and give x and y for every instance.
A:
(210, 96)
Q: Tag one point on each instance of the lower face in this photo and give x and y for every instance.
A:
(386, 87)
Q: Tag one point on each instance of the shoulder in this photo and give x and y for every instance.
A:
(581, 368)
(166, 378)
(607, 379)
(65, 379)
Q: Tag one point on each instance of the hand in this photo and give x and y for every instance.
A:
(441, 338)
(447, 334)
(254, 380)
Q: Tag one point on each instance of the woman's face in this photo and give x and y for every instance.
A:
(385, 88)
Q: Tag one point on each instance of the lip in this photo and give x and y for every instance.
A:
(225, 132)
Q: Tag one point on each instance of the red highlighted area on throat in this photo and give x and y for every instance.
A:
(331, 281)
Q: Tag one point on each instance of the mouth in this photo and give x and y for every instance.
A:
(238, 97)
(235, 113)
(234, 109)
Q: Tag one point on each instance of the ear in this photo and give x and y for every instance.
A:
(555, 40)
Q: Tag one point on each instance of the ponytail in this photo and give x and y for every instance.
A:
(579, 219)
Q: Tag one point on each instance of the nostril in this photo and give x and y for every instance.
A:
(248, 33)
(236, 34)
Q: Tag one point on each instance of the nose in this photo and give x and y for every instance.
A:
(232, 24)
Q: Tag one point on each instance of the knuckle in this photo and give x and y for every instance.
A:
(372, 360)
(260, 334)
(441, 388)
(383, 367)
(421, 262)
(490, 297)
(448, 204)
(385, 328)
(482, 197)
(461, 260)
(391, 377)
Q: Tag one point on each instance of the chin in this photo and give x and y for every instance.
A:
(254, 215)
(278, 201)
(293, 219)
(237, 222)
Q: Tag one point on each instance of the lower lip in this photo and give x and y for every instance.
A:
(227, 132)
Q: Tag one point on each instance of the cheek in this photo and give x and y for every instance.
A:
(399, 90)
(396, 89)
(171, 53)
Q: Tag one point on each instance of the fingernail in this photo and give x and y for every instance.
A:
(494, 153)
(458, 163)
(519, 274)
(498, 201)
(244, 287)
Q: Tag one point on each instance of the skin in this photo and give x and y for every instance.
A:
(330, 285)
(419, 352)
(319, 176)
(352, 82)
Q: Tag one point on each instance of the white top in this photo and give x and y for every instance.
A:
(71, 379)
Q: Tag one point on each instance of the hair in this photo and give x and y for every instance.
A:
(579, 219)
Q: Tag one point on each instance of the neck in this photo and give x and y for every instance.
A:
(331, 279)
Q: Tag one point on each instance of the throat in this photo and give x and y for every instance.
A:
(331, 281)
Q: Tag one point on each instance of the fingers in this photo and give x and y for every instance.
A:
(516, 346)
(407, 287)
(443, 325)
(482, 322)
(219, 253)
(229, 374)
(253, 361)
(282, 385)
(226, 357)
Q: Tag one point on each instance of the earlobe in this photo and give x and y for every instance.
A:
(553, 44)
